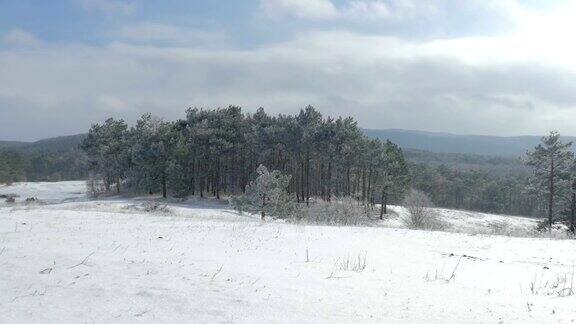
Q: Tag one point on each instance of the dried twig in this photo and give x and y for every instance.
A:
(331, 276)
(142, 313)
(216, 273)
(454, 271)
(83, 261)
(35, 293)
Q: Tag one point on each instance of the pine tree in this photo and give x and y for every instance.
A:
(218, 151)
(552, 162)
(153, 147)
(107, 148)
(267, 195)
(393, 176)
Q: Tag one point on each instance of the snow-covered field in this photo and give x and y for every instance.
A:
(77, 261)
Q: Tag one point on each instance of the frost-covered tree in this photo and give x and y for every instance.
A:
(267, 195)
(216, 151)
(392, 176)
(153, 148)
(552, 163)
(107, 148)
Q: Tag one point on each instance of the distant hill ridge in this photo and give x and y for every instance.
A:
(53, 145)
(436, 142)
(465, 144)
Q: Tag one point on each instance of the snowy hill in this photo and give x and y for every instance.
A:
(75, 260)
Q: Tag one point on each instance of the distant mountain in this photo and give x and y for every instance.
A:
(50, 145)
(464, 144)
(53, 159)
(12, 144)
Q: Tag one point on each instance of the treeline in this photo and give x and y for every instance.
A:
(11, 167)
(18, 165)
(476, 189)
(495, 166)
(216, 152)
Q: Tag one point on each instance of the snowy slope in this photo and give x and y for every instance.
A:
(462, 221)
(50, 192)
(109, 262)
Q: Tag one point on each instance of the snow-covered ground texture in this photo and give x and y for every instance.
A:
(111, 262)
(462, 221)
(48, 192)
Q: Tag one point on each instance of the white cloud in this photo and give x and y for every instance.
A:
(369, 11)
(311, 9)
(384, 82)
(21, 38)
(124, 7)
(148, 32)
(519, 82)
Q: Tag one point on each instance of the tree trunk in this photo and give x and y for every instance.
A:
(551, 191)
(348, 181)
(302, 193)
(364, 196)
(370, 198)
(329, 194)
(573, 208)
(164, 190)
(307, 180)
(383, 204)
(217, 179)
(263, 212)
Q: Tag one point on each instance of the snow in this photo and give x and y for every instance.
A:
(462, 221)
(51, 192)
(108, 261)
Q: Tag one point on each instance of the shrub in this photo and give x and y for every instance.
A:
(421, 214)
(559, 284)
(156, 207)
(345, 211)
(357, 264)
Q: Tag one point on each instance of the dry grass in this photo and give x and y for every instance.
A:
(561, 285)
(356, 264)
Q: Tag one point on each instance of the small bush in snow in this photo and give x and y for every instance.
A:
(357, 264)
(561, 285)
(156, 207)
(421, 215)
(345, 211)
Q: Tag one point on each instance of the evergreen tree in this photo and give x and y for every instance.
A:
(218, 151)
(551, 162)
(393, 176)
(107, 149)
(267, 195)
(153, 147)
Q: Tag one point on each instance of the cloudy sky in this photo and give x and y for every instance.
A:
(502, 67)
